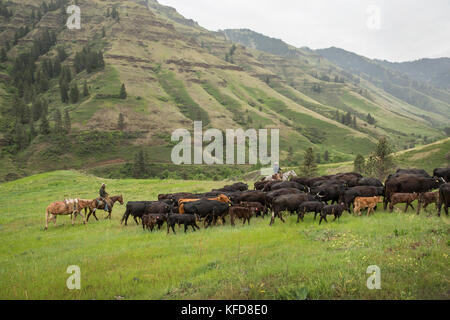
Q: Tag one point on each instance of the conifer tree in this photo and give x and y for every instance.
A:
(67, 122)
(123, 92)
(309, 167)
(74, 94)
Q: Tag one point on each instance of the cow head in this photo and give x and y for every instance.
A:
(438, 181)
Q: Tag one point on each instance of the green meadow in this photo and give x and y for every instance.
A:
(285, 261)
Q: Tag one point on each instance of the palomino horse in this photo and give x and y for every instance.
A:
(99, 204)
(71, 207)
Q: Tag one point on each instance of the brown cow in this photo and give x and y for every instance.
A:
(241, 213)
(365, 202)
(427, 198)
(255, 207)
(221, 198)
(407, 198)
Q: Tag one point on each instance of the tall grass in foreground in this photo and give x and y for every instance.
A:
(286, 261)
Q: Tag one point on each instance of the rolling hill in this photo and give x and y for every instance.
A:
(175, 72)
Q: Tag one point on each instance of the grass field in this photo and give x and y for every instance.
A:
(286, 261)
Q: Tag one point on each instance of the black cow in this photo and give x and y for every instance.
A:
(138, 208)
(238, 186)
(444, 198)
(259, 185)
(288, 184)
(442, 173)
(334, 209)
(371, 182)
(409, 184)
(272, 195)
(350, 178)
(289, 202)
(329, 192)
(348, 196)
(210, 210)
(185, 219)
(249, 196)
(310, 206)
(417, 172)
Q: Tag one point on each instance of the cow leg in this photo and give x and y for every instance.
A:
(391, 207)
(135, 220)
(320, 221)
(185, 228)
(273, 218)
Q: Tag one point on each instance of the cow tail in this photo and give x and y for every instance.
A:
(125, 215)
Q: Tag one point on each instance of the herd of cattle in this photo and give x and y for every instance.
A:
(326, 195)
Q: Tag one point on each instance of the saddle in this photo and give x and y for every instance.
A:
(104, 202)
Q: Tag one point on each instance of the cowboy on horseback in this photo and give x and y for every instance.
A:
(104, 195)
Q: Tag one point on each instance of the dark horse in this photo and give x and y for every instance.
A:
(99, 204)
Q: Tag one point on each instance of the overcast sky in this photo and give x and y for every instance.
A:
(395, 30)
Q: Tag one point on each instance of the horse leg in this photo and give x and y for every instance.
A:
(95, 214)
(84, 219)
(46, 220)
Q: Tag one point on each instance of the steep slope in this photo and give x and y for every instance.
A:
(406, 81)
(174, 72)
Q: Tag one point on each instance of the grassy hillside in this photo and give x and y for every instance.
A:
(175, 72)
(428, 157)
(285, 261)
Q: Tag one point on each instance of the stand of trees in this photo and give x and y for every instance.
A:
(379, 163)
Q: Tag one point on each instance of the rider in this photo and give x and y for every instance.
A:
(104, 195)
(276, 168)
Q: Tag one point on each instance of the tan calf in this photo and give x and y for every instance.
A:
(365, 202)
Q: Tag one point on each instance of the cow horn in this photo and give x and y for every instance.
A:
(318, 194)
